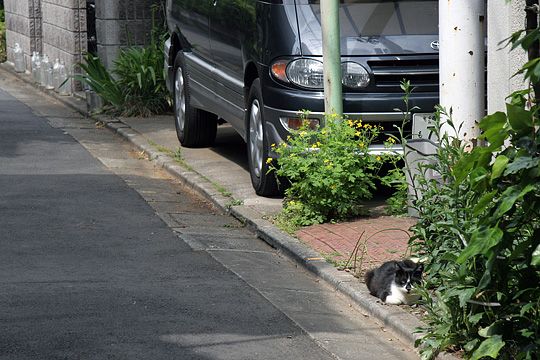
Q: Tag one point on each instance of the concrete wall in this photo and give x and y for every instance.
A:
(23, 26)
(503, 20)
(64, 30)
(120, 23)
(58, 28)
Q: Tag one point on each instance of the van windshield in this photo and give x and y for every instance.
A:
(364, 18)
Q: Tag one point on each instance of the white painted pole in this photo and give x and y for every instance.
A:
(462, 63)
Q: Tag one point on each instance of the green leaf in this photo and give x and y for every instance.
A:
(519, 118)
(489, 348)
(495, 120)
(465, 295)
(536, 257)
(521, 163)
(474, 319)
(481, 241)
(493, 127)
(498, 166)
(484, 201)
(509, 198)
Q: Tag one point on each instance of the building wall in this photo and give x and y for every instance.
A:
(503, 20)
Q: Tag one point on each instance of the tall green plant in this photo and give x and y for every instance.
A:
(479, 232)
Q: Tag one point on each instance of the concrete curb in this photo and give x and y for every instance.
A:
(399, 321)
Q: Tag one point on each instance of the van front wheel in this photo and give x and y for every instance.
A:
(264, 182)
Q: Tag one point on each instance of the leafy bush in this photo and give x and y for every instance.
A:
(136, 84)
(139, 72)
(479, 232)
(330, 170)
(98, 78)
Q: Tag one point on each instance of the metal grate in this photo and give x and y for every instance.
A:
(422, 73)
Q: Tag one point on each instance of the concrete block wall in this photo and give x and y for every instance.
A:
(64, 31)
(23, 26)
(120, 23)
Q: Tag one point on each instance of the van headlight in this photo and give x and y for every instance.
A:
(354, 75)
(308, 73)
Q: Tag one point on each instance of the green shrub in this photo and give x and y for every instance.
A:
(330, 170)
(98, 78)
(136, 84)
(479, 232)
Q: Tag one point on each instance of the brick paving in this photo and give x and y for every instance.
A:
(377, 239)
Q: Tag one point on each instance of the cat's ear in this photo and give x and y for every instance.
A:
(419, 267)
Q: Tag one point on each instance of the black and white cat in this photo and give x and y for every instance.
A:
(393, 281)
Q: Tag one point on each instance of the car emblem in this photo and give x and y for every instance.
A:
(435, 45)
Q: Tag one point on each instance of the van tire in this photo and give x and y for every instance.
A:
(194, 127)
(264, 182)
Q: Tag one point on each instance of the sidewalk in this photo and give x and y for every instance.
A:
(220, 175)
(378, 238)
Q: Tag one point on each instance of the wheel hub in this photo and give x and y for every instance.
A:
(179, 99)
(256, 138)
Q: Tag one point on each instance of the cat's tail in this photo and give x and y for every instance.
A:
(368, 277)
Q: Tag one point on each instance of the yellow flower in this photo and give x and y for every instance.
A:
(361, 145)
(303, 133)
(273, 145)
(357, 133)
(391, 140)
(350, 123)
(378, 158)
(269, 160)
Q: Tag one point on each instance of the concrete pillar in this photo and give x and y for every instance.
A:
(23, 26)
(504, 18)
(64, 31)
(462, 63)
(120, 23)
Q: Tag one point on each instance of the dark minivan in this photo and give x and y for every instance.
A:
(255, 64)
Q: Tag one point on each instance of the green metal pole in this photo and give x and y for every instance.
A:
(333, 99)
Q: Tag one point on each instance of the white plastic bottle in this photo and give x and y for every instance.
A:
(50, 77)
(62, 79)
(37, 74)
(55, 77)
(33, 65)
(18, 59)
(45, 64)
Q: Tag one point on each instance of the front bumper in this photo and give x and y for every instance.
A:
(386, 109)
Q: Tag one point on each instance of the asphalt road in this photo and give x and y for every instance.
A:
(102, 256)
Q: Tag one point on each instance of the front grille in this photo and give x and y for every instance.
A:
(422, 73)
